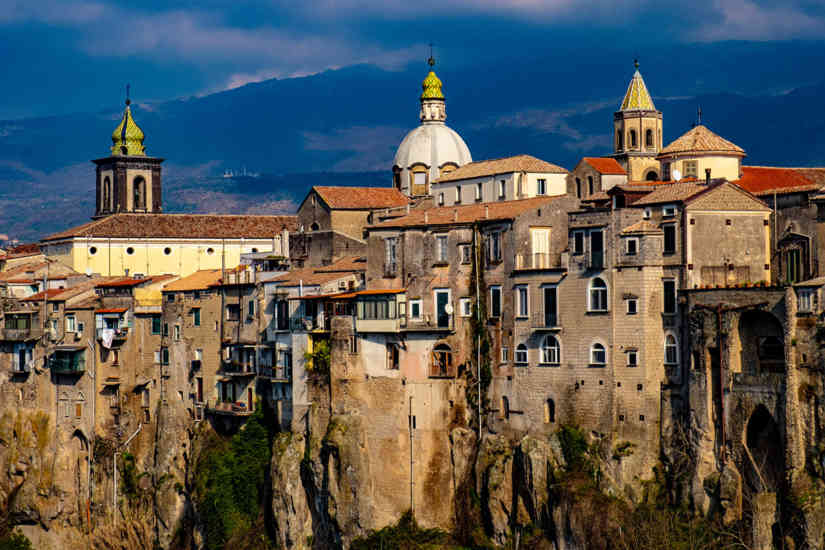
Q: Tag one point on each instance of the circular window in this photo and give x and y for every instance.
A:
(93, 250)
(167, 250)
(254, 250)
(210, 251)
(130, 251)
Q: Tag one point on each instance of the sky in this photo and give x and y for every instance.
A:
(66, 56)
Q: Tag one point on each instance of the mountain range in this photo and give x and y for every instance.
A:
(341, 127)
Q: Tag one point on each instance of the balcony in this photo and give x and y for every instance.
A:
(536, 261)
(236, 368)
(431, 323)
(20, 329)
(229, 408)
(118, 334)
(275, 374)
(595, 260)
(68, 361)
(380, 325)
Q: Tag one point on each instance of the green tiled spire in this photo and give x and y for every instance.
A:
(432, 84)
(127, 139)
(637, 97)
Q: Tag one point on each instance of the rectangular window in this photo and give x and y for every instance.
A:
(596, 250)
(691, 168)
(164, 356)
(632, 358)
(177, 332)
(198, 355)
(71, 324)
(233, 312)
(458, 194)
(81, 327)
(806, 300)
(55, 307)
(670, 238)
(156, 324)
(353, 344)
(393, 359)
(157, 357)
(466, 253)
(502, 189)
(521, 354)
(495, 301)
(494, 247)
(632, 306)
(631, 246)
(415, 309)
(578, 242)
(541, 187)
(196, 316)
(441, 248)
(668, 211)
(250, 310)
(441, 199)
(665, 171)
(465, 307)
(551, 316)
(522, 302)
(390, 255)
(669, 286)
(505, 354)
(479, 191)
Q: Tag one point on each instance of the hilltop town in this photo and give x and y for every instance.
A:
(421, 342)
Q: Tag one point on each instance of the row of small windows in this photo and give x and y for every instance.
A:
(130, 250)
(501, 187)
(138, 193)
(550, 353)
(632, 139)
(631, 243)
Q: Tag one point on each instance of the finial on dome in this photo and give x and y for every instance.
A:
(636, 63)
(431, 60)
(128, 101)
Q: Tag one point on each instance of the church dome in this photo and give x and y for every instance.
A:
(433, 148)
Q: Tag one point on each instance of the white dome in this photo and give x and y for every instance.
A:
(433, 145)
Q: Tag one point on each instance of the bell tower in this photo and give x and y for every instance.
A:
(637, 132)
(128, 181)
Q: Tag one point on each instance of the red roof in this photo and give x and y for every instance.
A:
(766, 180)
(112, 310)
(48, 294)
(21, 250)
(605, 166)
(123, 283)
(360, 198)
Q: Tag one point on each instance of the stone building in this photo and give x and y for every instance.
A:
(593, 175)
(701, 154)
(504, 179)
(637, 131)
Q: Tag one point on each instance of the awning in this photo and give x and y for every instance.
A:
(112, 310)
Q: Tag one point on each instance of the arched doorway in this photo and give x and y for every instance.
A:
(765, 464)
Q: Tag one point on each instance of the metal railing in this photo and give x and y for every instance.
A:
(536, 261)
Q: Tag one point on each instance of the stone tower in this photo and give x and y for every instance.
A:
(128, 180)
(637, 132)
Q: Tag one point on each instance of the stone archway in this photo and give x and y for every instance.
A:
(762, 343)
(765, 463)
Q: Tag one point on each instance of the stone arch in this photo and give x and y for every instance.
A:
(139, 193)
(762, 341)
(80, 442)
(765, 461)
(651, 175)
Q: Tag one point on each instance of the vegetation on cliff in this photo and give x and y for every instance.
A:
(230, 485)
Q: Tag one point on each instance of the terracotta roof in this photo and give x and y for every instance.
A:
(350, 263)
(597, 197)
(199, 280)
(361, 198)
(605, 165)
(203, 226)
(677, 192)
(124, 282)
(642, 226)
(49, 295)
(22, 250)
(765, 180)
(449, 215)
(308, 276)
(351, 294)
(519, 163)
(701, 140)
(112, 310)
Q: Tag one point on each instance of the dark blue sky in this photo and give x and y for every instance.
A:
(62, 56)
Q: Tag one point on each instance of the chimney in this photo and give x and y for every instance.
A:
(455, 215)
(707, 176)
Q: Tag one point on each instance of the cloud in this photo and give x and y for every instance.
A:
(747, 20)
(53, 12)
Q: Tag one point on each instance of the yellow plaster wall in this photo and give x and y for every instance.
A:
(720, 166)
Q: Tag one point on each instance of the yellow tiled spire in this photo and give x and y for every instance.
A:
(637, 97)
(127, 139)
(432, 84)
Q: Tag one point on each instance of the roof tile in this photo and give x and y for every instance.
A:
(765, 180)
(606, 166)
(361, 198)
(518, 163)
(701, 140)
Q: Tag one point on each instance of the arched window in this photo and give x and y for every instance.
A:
(578, 188)
(632, 139)
(648, 138)
(619, 140)
(671, 350)
(505, 407)
(550, 352)
(107, 193)
(442, 362)
(652, 176)
(521, 354)
(598, 355)
(598, 295)
(139, 192)
(590, 189)
(549, 411)
(314, 226)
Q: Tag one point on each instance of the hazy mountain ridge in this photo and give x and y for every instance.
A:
(342, 127)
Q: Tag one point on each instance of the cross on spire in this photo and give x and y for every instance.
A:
(431, 60)
(128, 101)
(699, 115)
